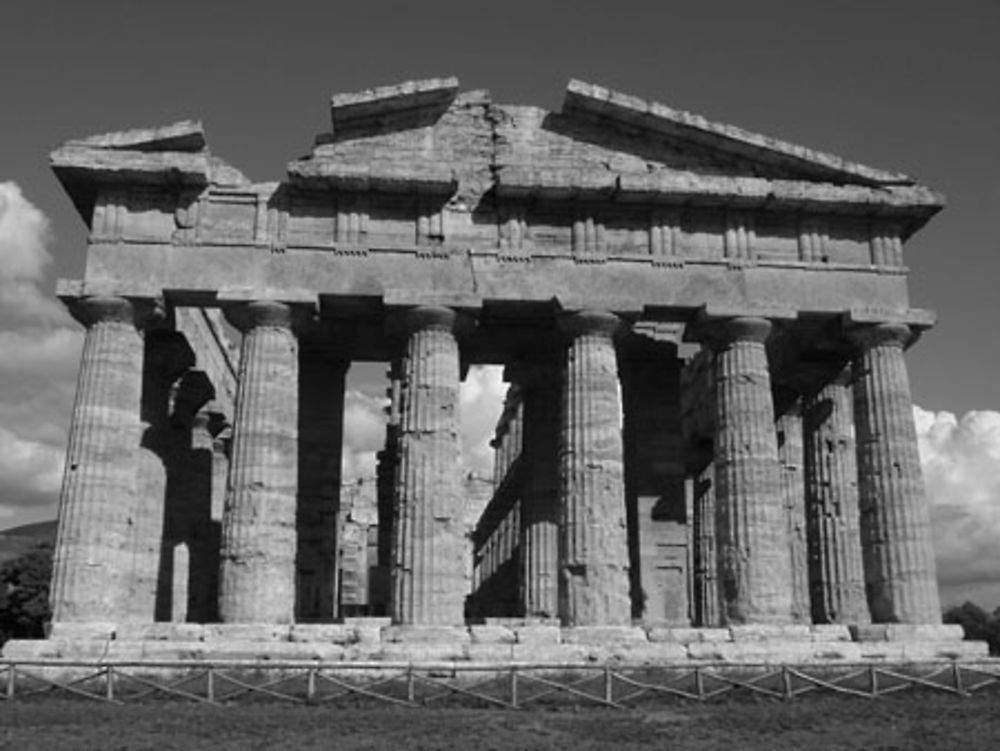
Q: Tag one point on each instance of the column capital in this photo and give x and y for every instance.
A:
(431, 318)
(891, 334)
(141, 313)
(267, 314)
(590, 322)
(723, 332)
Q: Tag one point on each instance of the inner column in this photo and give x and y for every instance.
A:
(539, 518)
(594, 544)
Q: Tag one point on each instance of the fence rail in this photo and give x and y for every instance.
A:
(508, 685)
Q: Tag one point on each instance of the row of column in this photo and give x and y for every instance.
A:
(865, 510)
(573, 540)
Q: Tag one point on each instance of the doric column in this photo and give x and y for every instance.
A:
(539, 515)
(257, 569)
(755, 581)
(706, 591)
(93, 555)
(321, 426)
(429, 572)
(202, 530)
(900, 575)
(594, 545)
(836, 573)
(793, 491)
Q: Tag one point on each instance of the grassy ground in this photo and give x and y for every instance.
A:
(904, 721)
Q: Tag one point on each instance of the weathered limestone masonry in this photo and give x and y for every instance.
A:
(707, 451)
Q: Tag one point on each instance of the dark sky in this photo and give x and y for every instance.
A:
(909, 86)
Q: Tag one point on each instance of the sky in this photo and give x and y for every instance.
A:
(910, 86)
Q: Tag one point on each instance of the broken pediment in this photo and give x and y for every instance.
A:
(423, 136)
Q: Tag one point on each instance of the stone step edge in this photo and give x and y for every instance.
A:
(380, 630)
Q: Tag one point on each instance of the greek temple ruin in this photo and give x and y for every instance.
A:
(708, 427)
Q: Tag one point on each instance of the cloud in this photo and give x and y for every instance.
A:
(30, 474)
(481, 398)
(481, 401)
(39, 355)
(364, 434)
(25, 233)
(961, 461)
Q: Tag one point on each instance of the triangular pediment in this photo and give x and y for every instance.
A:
(426, 136)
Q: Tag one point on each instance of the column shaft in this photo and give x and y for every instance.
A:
(836, 572)
(791, 458)
(429, 571)
(751, 524)
(257, 571)
(540, 494)
(321, 427)
(898, 553)
(706, 591)
(594, 545)
(93, 541)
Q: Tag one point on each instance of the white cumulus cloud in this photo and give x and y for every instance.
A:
(961, 461)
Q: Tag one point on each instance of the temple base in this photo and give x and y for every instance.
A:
(374, 640)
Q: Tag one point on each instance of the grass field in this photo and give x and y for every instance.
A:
(906, 721)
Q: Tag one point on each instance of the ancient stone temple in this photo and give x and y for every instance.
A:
(708, 426)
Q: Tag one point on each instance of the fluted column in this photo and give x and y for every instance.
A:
(257, 568)
(793, 491)
(429, 571)
(321, 426)
(836, 573)
(751, 526)
(539, 517)
(706, 591)
(898, 554)
(593, 544)
(93, 552)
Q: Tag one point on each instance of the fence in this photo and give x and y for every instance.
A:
(509, 686)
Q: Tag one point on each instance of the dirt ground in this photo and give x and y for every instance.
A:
(912, 721)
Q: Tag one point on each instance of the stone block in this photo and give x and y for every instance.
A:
(368, 631)
(368, 621)
(489, 652)
(81, 631)
(649, 653)
(771, 652)
(916, 651)
(54, 649)
(271, 632)
(869, 632)
(448, 635)
(492, 635)
(159, 632)
(417, 652)
(551, 653)
(657, 634)
(257, 650)
(538, 635)
(604, 635)
(924, 632)
(768, 632)
(694, 635)
(826, 632)
(323, 633)
(880, 651)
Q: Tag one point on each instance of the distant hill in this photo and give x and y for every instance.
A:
(19, 540)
